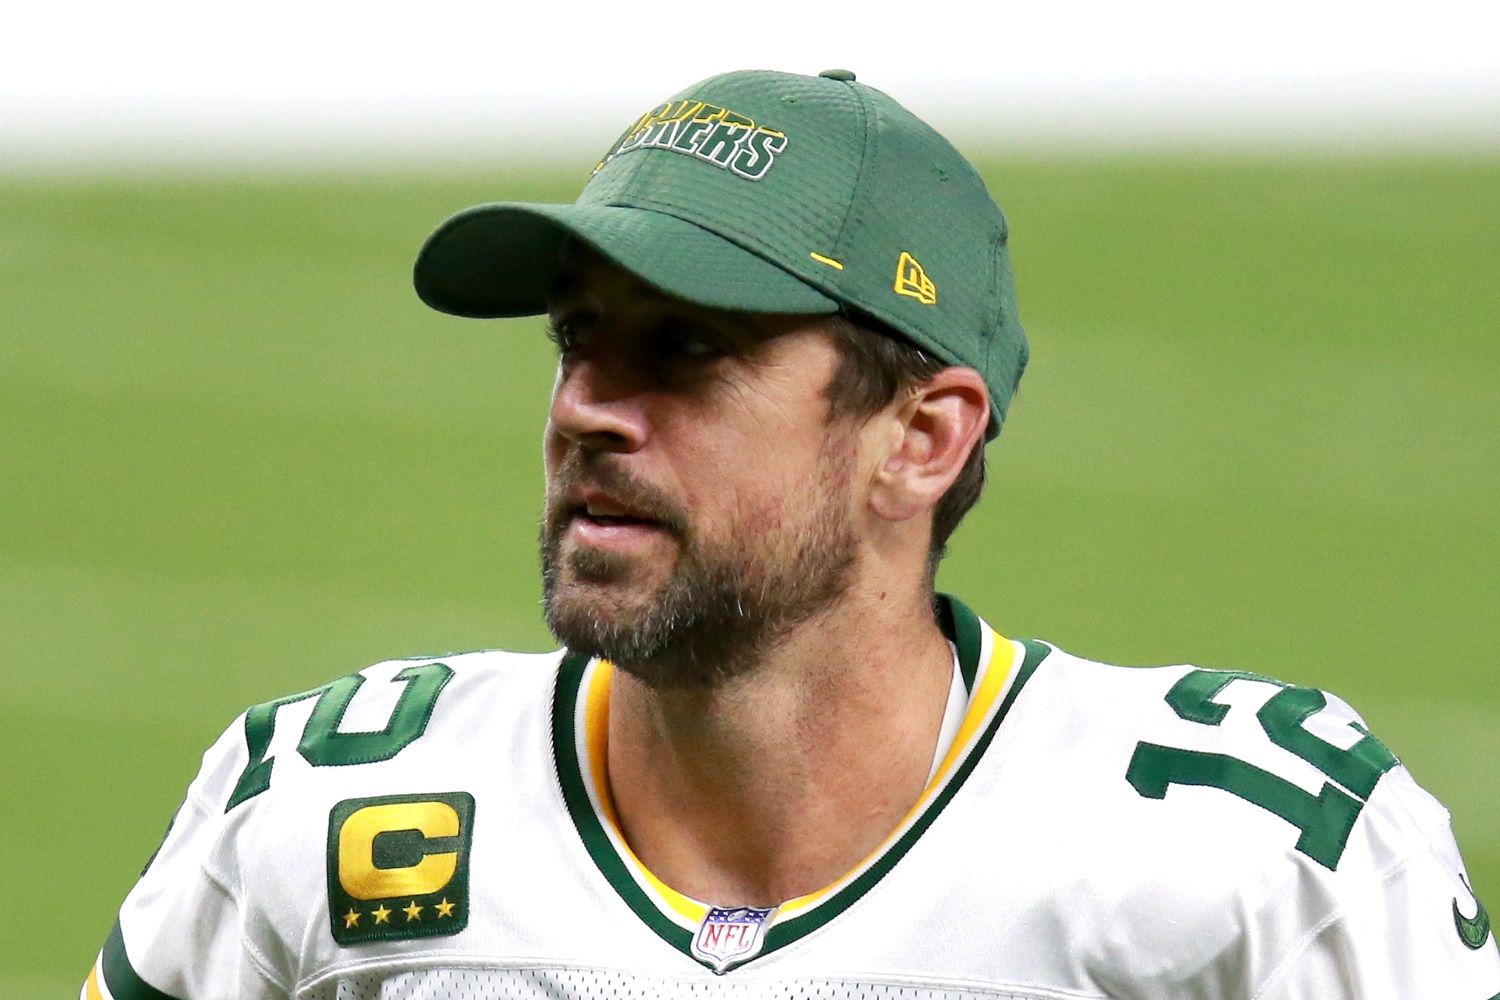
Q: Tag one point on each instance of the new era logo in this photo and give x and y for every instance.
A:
(913, 281)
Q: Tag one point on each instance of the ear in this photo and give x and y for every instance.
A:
(930, 434)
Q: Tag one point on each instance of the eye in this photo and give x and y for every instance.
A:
(568, 332)
(684, 340)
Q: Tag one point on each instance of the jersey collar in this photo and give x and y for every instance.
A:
(992, 669)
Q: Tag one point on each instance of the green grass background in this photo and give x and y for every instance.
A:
(237, 458)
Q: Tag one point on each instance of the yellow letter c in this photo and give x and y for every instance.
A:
(357, 872)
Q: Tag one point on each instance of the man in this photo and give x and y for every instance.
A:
(770, 761)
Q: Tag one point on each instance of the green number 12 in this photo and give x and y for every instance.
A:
(323, 744)
(1325, 819)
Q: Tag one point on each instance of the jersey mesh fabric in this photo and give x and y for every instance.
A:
(596, 984)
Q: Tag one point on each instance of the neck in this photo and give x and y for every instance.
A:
(812, 758)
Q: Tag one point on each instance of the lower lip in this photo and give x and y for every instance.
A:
(613, 535)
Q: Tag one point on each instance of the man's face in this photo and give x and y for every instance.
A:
(699, 501)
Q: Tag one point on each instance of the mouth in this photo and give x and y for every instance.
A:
(600, 508)
(597, 507)
(593, 518)
(611, 520)
(608, 519)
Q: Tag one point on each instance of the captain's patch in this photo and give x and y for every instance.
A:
(398, 866)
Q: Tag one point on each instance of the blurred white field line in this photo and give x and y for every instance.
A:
(1210, 121)
(334, 83)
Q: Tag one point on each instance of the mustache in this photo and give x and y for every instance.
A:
(606, 473)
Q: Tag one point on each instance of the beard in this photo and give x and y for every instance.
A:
(724, 605)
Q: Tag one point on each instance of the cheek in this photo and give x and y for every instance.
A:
(786, 498)
(552, 457)
(551, 446)
(733, 499)
(761, 515)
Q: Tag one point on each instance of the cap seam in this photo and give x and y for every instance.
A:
(856, 201)
(996, 297)
(997, 412)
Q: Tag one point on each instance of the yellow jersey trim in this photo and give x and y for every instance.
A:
(596, 730)
(91, 987)
(999, 663)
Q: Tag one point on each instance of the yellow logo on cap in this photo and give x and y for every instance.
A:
(912, 280)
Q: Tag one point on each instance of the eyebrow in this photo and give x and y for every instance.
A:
(563, 286)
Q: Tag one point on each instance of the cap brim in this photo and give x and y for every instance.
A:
(504, 260)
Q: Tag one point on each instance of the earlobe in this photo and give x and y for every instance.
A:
(931, 433)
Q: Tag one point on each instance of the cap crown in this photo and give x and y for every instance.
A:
(839, 185)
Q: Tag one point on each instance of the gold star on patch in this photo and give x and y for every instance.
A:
(413, 912)
(445, 908)
(382, 915)
(351, 919)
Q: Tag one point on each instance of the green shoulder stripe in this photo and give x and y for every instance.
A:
(120, 976)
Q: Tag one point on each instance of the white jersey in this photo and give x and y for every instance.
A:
(434, 829)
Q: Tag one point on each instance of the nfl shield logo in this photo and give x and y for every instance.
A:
(730, 936)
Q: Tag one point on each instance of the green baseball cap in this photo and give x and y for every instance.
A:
(759, 191)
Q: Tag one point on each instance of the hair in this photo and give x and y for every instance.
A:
(876, 364)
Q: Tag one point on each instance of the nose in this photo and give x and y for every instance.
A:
(595, 404)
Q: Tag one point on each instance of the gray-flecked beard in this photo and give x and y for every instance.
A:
(723, 608)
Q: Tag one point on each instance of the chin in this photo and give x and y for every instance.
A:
(588, 600)
(610, 605)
